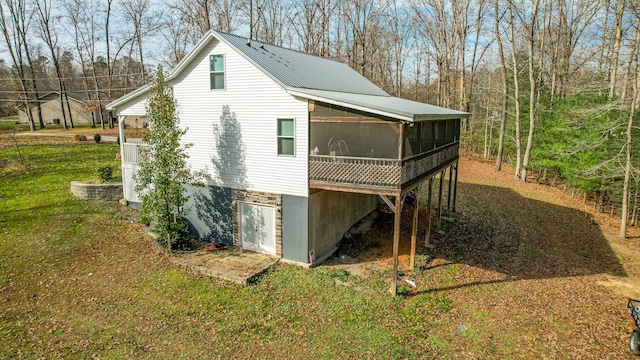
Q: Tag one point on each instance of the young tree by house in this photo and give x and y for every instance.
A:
(163, 169)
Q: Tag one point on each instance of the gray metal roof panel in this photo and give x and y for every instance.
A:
(300, 70)
(383, 105)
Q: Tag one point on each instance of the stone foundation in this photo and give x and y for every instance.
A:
(111, 192)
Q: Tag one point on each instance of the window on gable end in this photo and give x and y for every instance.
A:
(286, 134)
(216, 71)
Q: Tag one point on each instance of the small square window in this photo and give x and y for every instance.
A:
(286, 133)
(216, 71)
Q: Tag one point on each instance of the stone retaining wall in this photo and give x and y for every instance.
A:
(84, 191)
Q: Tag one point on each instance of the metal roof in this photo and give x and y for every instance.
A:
(313, 77)
(300, 70)
(390, 106)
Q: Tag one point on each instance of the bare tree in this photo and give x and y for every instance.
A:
(194, 15)
(498, 15)
(434, 19)
(11, 26)
(628, 165)
(516, 91)
(175, 33)
(50, 38)
(531, 27)
(310, 22)
(143, 18)
(616, 48)
(82, 17)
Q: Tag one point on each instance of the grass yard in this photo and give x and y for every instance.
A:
(80, 279)
(9, 127)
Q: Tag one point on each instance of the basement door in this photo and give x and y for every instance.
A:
(258, 227)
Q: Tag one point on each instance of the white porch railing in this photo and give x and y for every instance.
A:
(130, 154)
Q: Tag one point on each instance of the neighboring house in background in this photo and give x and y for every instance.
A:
(298, 148)
(51, 113)
(135, 122)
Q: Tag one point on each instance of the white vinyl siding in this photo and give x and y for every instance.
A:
(134, 107)
(256, 100)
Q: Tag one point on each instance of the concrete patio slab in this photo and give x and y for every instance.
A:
(233, 264)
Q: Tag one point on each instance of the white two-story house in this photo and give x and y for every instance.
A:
(297, 148)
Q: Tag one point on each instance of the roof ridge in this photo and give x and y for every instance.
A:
(277, 46)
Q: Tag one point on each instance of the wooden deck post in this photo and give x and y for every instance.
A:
(449, 190)
(427, 235)
(440, 198)
(396, 243)
(455, 187)
(414, 227)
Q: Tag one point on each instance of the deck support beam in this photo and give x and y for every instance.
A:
(396, 244)
(449, 191)
(388, 202)
(427, 234)
(440, 198)
(455, 186)
(414, 227)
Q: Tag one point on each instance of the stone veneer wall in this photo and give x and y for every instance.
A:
(111, 192)
(258, 198)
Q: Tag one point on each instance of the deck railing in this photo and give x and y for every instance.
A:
(388, 173)
(130, 154)
(354, 170)
(424, 163)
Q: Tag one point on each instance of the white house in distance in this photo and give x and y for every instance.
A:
(298, 148)
(50, 107)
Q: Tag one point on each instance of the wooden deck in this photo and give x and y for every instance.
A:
(377, 176)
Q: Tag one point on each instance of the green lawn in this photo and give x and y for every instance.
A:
(80, 279)
(10, 126)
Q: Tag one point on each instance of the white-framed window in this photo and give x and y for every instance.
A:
(286, 137)
(216, 71)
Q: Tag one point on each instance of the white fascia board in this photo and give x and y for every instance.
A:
(132, 95)
(349, 105)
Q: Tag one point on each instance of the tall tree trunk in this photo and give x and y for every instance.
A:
(516, 86)
(532, 91)
(14, 46)
(632, 54)
(627, 169)
(505, 89)
(109, 62)
(616, 49)
(66, 99)
(605, 30)
(34, 83)
(485, 152)
(22, 32)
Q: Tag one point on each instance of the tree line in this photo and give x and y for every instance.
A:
(551, 85)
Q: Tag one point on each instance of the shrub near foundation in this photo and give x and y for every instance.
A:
(105, 173)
